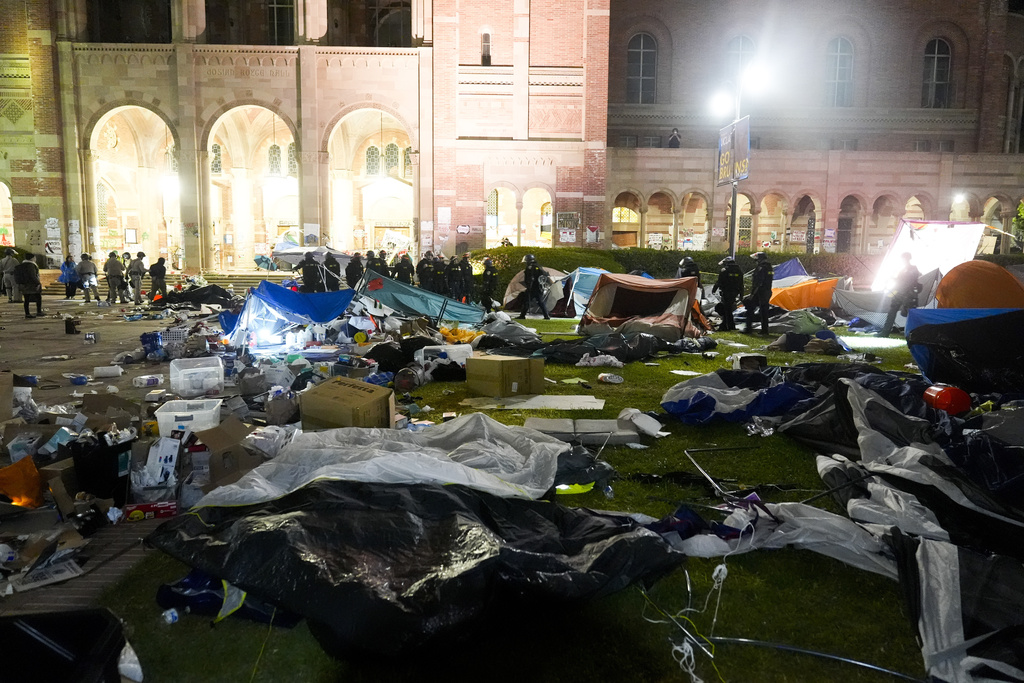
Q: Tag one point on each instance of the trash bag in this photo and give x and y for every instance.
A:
(391, 568)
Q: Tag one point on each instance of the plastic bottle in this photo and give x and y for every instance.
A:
(148, 380)
(170, 616)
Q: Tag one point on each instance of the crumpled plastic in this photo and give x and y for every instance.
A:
(599, 360)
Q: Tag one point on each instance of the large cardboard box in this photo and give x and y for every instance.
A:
(228, 458)
(63, 483)
(343, 402)
(505, 376)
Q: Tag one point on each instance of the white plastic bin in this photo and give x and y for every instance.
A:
(195, 415)
(197, 376)
(456, 352)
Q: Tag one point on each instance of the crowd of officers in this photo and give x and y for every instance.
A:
(452, 278)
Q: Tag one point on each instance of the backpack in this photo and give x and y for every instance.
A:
(23, 274)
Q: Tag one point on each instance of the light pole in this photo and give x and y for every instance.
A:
(735, 180)
(734, 145)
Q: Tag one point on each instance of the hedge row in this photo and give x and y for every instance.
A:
(662, 264)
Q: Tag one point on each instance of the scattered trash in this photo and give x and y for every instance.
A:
(170, 616)
(758, 426)
(686, 373)
(599, 360)
(609, 378)
(637, 446)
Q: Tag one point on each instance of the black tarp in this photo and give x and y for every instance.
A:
(387, 568)
(196, 296)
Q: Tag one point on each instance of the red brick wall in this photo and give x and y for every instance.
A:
(556, 32)
(473, 18)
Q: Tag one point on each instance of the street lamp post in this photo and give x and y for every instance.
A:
(735, 180)
(734, 151)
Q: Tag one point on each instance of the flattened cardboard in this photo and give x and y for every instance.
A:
(505, 376)
(343, 402)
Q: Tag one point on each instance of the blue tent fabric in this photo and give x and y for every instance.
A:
(705, 399)
(271, 308)
(416, 301)
(977, 350)
(318, 307)
(228, 321)
(789, 268)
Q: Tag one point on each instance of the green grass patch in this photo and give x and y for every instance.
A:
(793, 597)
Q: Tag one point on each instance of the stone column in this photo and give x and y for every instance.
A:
(417, 249)
(519, 222)
(310, 21)
(307, 143)
(642, 236)
(675, 226)
(90, 211)
(1005, 241)
(188, 20)
(755, 222)
(189, 176)
(323, 168)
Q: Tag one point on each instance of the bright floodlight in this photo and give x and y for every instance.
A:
(723, 103)
(756, 78)
(959, 199)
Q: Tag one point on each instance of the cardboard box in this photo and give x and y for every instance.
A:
(136, 512)
(228, 458)
(749, 361)
(505, 376)
(104, 409)
(63, 483)
(343, 402)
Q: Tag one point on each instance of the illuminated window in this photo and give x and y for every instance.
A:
(839, 74)
(641, 69)
(293, 161)
(391, 22)
(372, 161)
(738, 54)
(624, 214)
(216, 163)
(938, 88)
(390, 158)
(407, 161)
(274, 160)
(545, 217)
(101, 203)
(485, 49)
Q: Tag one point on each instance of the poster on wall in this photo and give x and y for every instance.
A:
(593, 234)
(462, 229)
(74, 239)
(53, 247)
(797, 237)
(655, 240)
(566, 236)
(476, 230)
(828, 240)
(444, 216)
(718, 232)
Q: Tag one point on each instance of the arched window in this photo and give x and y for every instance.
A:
(391, 22)
(101, 204)
(216, 163)
(274, 160)
(641, 69)
(281, 21)
(738, 54)
(545, 217)
(372, 160)
(407, 162)
(839, 73)
(390, 157)
(485, 49)
(937, 90)
(624, 214)
(293, 161)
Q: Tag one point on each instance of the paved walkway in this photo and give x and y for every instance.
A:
(111, 552)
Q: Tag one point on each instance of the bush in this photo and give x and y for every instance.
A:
(509, 261)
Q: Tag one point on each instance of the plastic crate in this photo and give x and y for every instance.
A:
(194, 415)
(174, 335)
(192, 377)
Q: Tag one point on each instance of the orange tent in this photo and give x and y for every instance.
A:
(980, 284)
(810, 294)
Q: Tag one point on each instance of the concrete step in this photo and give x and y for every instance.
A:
(240, 281)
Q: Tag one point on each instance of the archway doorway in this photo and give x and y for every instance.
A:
(659, 221)
(693, 227)
(371, 181)
(626, 220)
(848, 226)
(771, 222)
(135, 204)
(538, 218)
(803, 228)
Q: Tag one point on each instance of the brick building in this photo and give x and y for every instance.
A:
(208, 130)
(859, 113)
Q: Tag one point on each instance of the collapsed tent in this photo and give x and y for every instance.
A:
(294, 254)
(629, 303)
(980, 284)
(551, 291)
(732, 396)
(197, 296)
(932, 245)
(974, 349)
(577, 287)
(388, 540)
(811, 293)
(789, 273)
(270, 309)
(416, 301)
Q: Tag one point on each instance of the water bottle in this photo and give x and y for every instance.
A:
(170, 616)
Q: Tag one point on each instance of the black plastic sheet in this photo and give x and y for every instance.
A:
(388, 568)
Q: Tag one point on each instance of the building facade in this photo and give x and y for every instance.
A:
(208, 131)
(860, 113)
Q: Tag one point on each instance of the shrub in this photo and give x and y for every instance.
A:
(509, 260)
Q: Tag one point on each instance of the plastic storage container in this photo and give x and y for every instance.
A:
(197, 376)
(456, 352)
(181, 415)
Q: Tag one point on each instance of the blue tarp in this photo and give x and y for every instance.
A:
(271, 308)
(416, 301)
(708, 398)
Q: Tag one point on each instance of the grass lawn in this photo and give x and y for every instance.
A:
(791, 597)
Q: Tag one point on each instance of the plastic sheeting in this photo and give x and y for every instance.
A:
(808, 294)
(388, 568)
(706, 398)
(416, 301)
(473, 450)
(552, 291)
(624, 347)
(932, 245)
